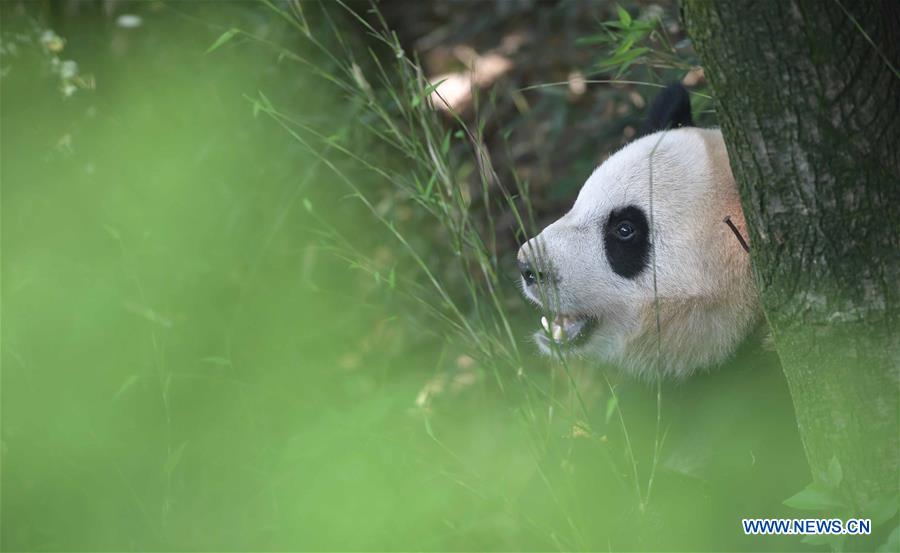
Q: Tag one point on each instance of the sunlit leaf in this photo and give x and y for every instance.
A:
(624, 16)
(625, 46)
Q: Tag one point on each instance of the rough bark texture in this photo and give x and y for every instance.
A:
(810, 111)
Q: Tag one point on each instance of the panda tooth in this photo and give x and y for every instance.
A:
(558, 333)
(545, 324)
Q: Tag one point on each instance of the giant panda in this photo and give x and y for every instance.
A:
(644, 273)
(649, 269)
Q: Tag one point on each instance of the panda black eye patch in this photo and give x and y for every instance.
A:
(626, 240)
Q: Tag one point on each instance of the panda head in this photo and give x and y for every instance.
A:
(643, 271)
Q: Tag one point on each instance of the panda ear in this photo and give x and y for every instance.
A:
(670, 109)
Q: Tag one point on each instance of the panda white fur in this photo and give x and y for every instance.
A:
(645, 247)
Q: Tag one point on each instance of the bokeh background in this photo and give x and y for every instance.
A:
(237, 314)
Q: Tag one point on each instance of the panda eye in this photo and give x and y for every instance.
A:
(624, 230)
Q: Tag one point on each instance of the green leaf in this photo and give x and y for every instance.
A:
(625, 46)
(223, 39)
(425, 93)
(593, 39)
(148, 313)
(307, 205)
(623, 58)
(127, 385)
(266, 104)
(835, 475)
(260, 105)
(812, 498)
(430, 185)
(221, 361)
(611, 406)
(892, 543)
(881, 509)
(336, 137)
(624, 16)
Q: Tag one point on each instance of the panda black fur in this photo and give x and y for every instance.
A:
(642, 271)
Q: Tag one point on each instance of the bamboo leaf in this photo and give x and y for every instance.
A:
(425, 93)
(611, 406)
(623, 58)
(814, 499)
(835, 474)
(127, 385)
(223, 39)
(624, 16)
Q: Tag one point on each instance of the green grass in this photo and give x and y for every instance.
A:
(250, 303)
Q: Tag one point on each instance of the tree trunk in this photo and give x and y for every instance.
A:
(808, 97)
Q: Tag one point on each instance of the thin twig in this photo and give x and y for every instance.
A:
(737, 233)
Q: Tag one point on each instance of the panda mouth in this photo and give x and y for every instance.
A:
(565, 330)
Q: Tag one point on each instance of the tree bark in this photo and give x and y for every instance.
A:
(808, 97)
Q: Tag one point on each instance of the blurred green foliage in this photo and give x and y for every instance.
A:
(210, 343)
